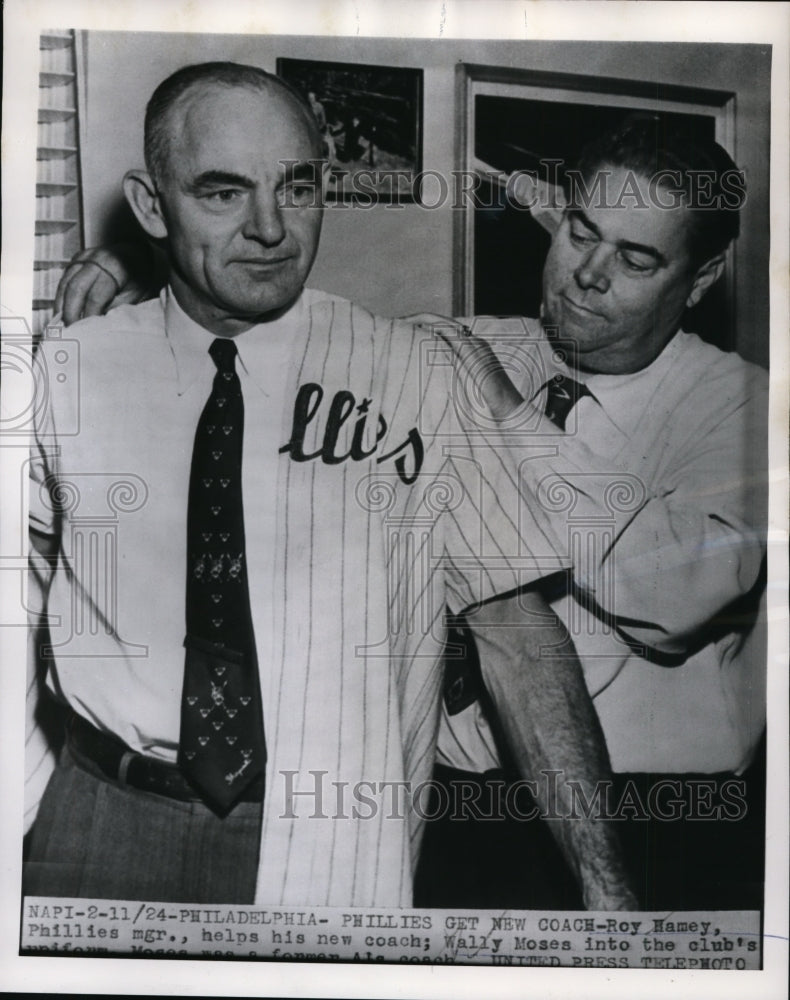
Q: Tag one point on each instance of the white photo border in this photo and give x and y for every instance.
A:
(765, 23)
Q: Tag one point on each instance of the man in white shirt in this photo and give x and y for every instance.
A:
(659, 463)
(359, 528)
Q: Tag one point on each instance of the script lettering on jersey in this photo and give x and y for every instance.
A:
(408, 455)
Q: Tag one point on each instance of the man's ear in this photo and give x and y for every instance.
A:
(144, 201)
(706, 276)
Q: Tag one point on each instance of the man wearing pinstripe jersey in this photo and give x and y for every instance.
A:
(371, 504)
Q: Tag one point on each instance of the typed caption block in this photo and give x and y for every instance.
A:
(697, 941)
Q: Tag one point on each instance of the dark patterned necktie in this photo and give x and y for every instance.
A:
(563, 394)
(222, 747)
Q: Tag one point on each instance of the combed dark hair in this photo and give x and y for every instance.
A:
(227, 74)
(649, 144)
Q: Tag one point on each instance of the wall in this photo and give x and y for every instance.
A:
(399, 259)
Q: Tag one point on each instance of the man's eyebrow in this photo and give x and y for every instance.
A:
(214, 178)
(305, 170)
(644, 248)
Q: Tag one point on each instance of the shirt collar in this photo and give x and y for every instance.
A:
(259, 348)
(552, 363)
(619, 396)
(624, 396)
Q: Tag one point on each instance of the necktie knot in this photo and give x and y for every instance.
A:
(223, 353)
(562, 394)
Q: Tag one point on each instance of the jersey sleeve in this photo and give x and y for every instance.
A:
(494, 542)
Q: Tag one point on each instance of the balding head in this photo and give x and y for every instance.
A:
(234, 187)
(168, 105)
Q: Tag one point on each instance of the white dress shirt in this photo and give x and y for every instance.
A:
(658, 487)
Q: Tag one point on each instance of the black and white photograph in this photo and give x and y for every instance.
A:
(394, 453)
(370, 121)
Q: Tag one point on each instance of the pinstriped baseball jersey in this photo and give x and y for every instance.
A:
(387, 499)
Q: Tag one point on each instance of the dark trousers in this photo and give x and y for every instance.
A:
(485, 856)
(96, 838)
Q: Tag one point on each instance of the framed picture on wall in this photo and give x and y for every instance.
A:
(371, 120)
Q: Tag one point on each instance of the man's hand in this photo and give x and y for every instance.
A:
(99, 279)
(475, 357)
(534, 679)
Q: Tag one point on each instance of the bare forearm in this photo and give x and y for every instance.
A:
(535, 682)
